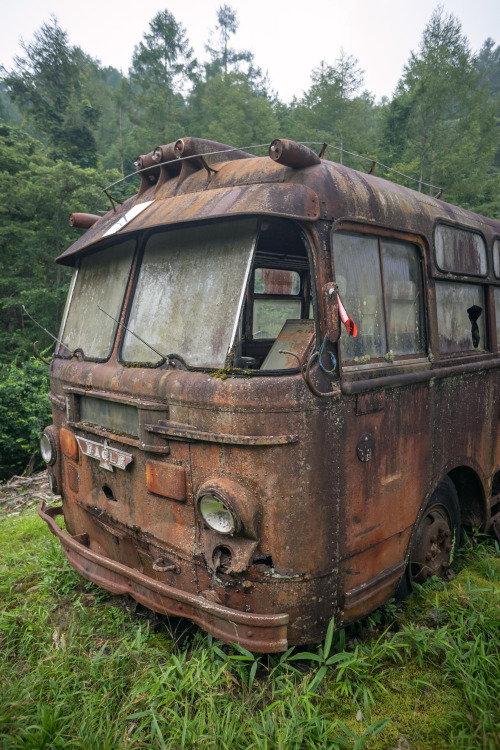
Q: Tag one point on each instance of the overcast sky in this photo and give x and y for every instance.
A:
(288, 40)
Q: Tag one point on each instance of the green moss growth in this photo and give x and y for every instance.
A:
(222, 374)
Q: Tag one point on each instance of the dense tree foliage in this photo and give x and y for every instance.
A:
(335, 111)
(47, 84)
(440, 126)
(69, 126)
(24, 411)
(161, 65)
(39, 196)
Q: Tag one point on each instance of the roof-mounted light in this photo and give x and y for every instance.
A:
(292, 154)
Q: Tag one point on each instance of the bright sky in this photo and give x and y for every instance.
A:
(288, 39)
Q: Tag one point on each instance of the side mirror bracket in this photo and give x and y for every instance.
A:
(332, 317)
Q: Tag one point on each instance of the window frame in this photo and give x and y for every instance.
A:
(110, 243)
(380, 233)
(145, 238)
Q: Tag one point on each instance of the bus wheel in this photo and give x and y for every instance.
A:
(437, 535)
(435, 539)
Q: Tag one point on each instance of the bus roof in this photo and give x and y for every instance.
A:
(212, 183)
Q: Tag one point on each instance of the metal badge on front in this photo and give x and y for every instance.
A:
(107, 457)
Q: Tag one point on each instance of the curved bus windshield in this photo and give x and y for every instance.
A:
(101, 280)
(190, 292)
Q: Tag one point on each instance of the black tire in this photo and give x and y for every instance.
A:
(434, 540)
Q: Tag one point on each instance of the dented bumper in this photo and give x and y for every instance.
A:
(258, 633)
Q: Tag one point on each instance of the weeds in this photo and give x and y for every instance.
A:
(82, 669)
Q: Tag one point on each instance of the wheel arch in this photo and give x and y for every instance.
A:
(471, 496)
(469, 487)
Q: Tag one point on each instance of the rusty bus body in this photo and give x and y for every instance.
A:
(261, 500)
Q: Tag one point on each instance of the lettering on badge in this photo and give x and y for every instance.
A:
(107, 457)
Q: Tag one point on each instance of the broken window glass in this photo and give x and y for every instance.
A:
(460, 311)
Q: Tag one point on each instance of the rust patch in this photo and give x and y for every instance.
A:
(167, 480)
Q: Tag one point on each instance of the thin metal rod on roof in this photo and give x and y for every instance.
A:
(372, 162)
(182, 158)
(323, 145)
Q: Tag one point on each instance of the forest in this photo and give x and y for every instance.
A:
(69, 127)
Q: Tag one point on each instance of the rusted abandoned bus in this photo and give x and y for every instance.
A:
(227, 449)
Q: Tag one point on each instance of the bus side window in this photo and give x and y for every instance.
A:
(357, 272)
(379, 284)
(460, 313)
(403, 297)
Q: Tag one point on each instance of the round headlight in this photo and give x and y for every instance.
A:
(48, 448)
(217, 515)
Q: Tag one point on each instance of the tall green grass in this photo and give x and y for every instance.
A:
(82, 669)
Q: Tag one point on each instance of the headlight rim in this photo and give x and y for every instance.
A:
(52, 444)
(212, 492)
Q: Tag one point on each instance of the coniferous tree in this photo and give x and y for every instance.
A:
(488, 64)
(223, 58)
(162, 69)
(228, 109)
(231, 103)
(440, 124)
(46, 85)
(333, 110)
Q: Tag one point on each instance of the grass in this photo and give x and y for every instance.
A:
(82, 669)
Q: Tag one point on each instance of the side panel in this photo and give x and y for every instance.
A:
(415, 435)
(387, 450)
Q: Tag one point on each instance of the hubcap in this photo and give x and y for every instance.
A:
(432, 546)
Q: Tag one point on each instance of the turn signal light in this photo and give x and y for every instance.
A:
(69, 446)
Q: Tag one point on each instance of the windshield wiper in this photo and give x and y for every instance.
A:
(168, 358)
(59, 341)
